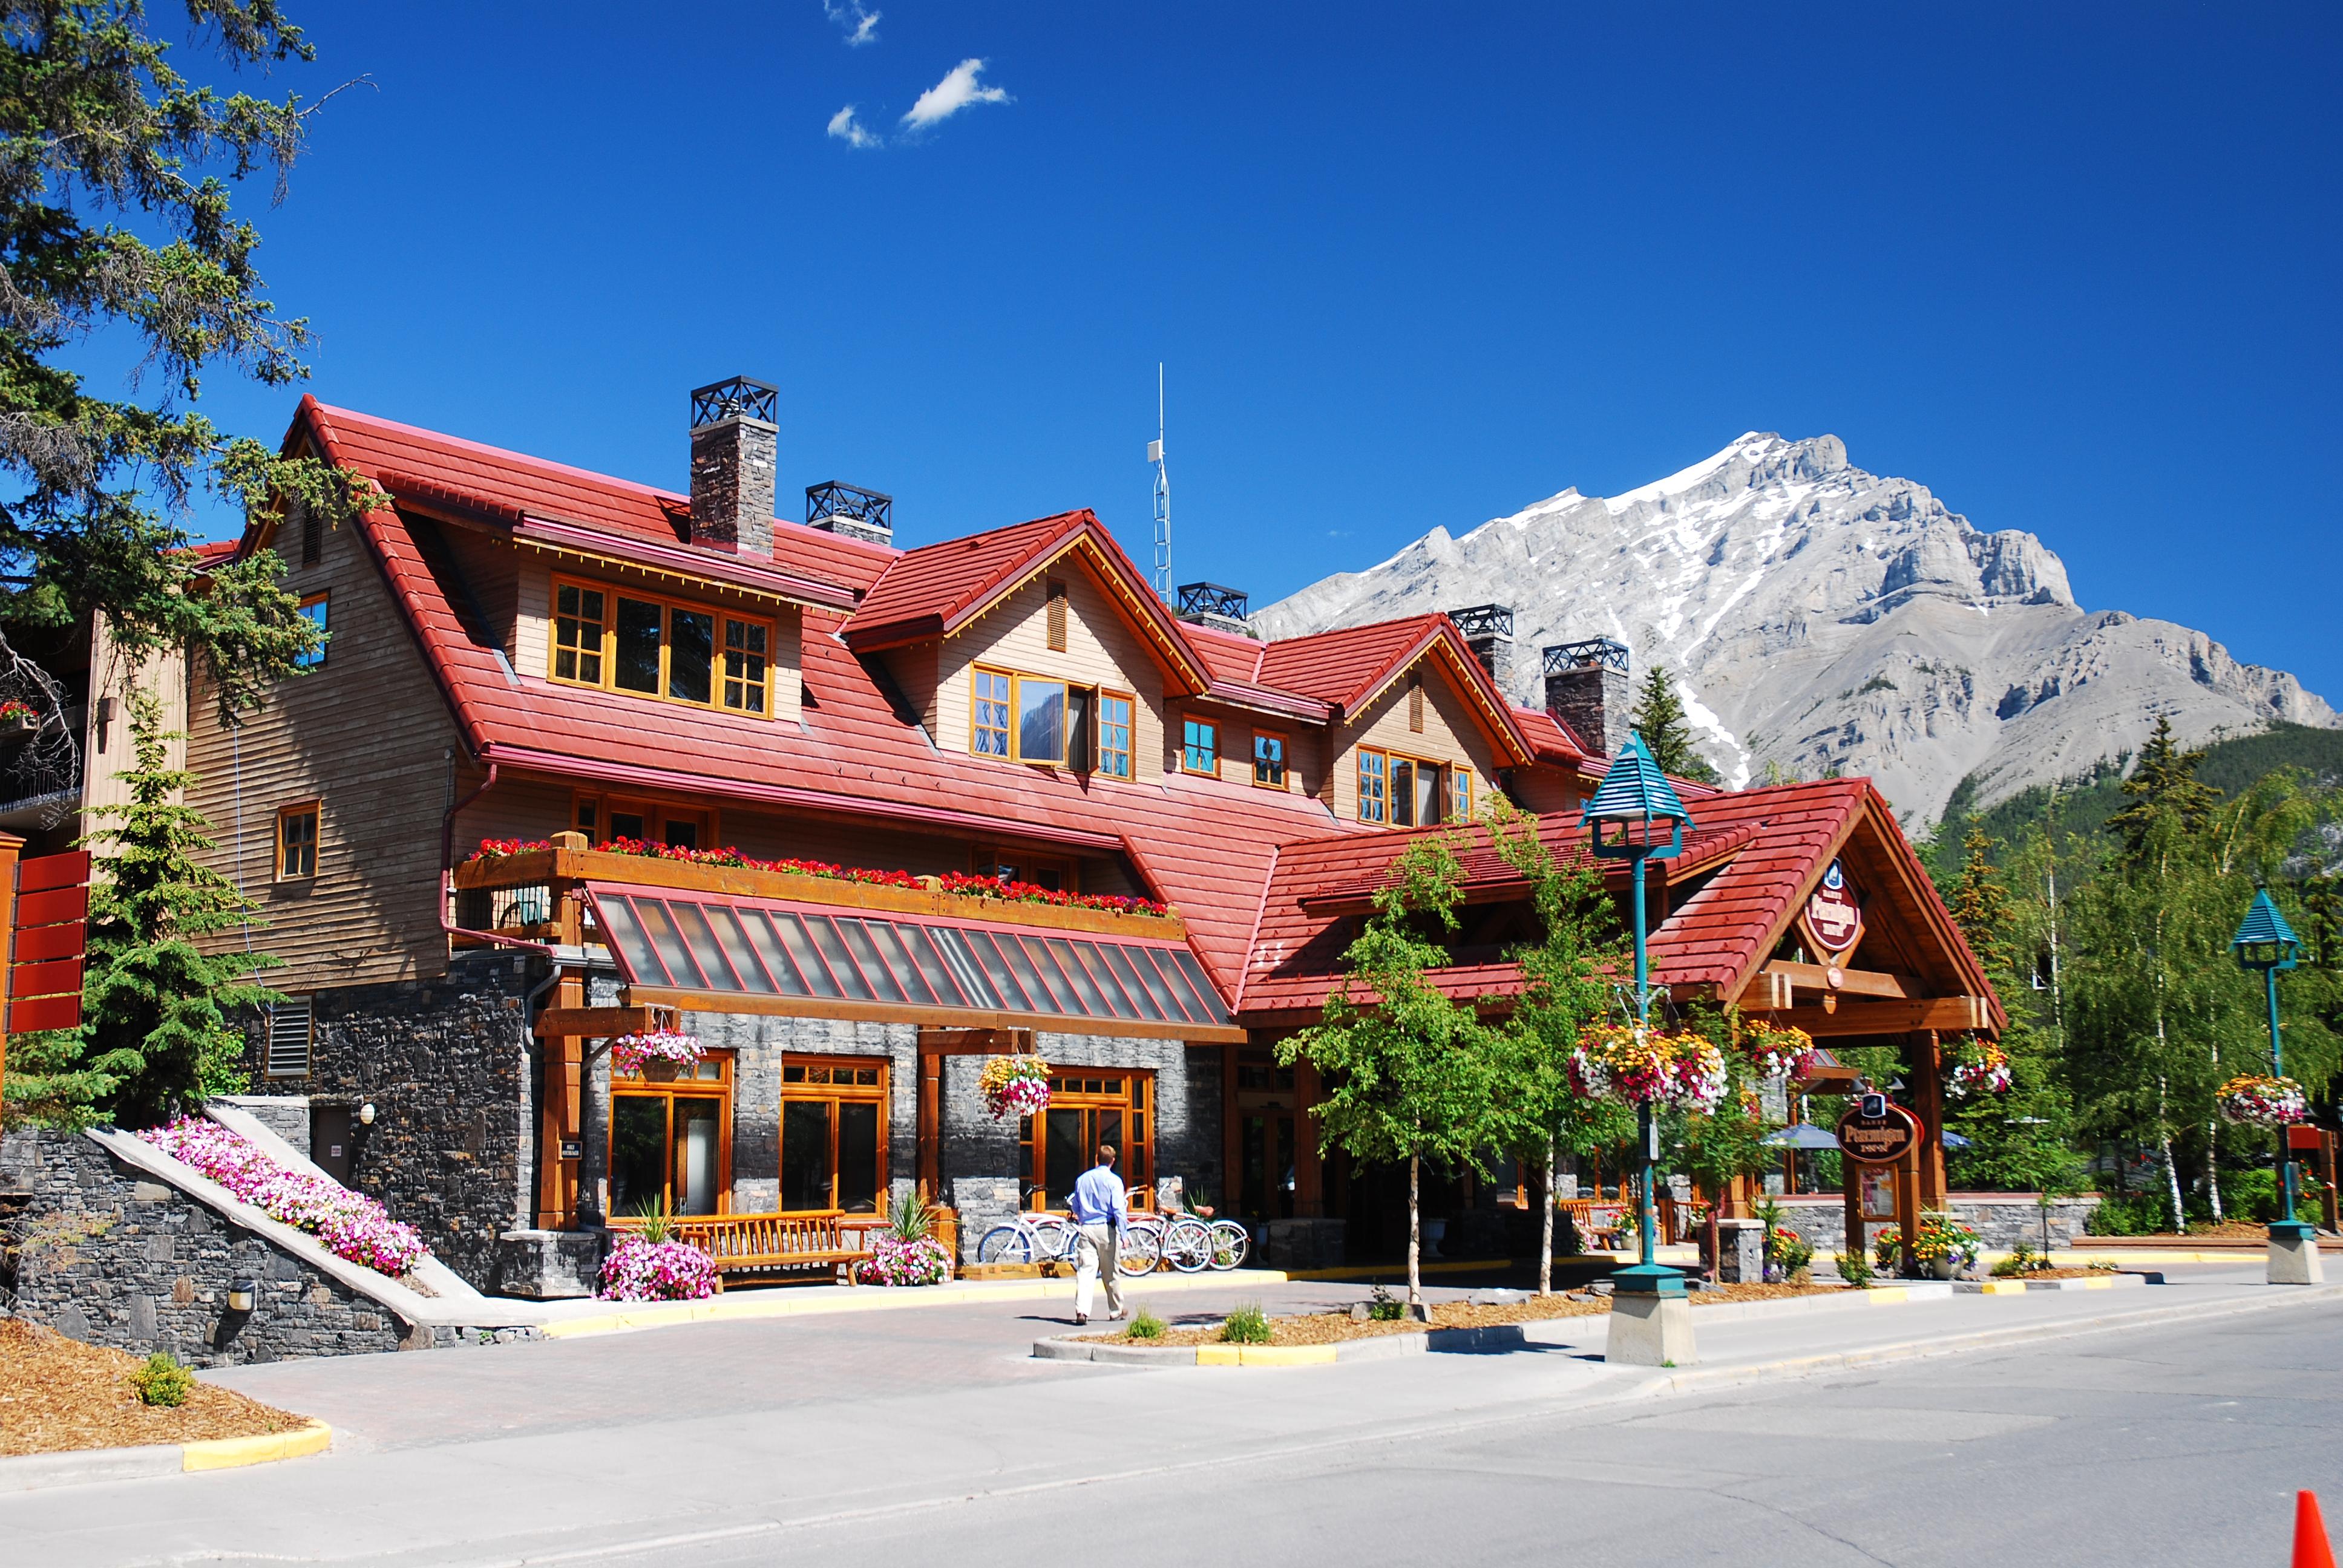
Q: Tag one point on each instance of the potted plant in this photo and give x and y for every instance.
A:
(906, 1252)
(650, 1264)
(657, 1054)
(19, 721)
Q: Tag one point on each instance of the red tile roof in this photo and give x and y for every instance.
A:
(1778, 840)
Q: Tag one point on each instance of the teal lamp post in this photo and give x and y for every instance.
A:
(2266, 942)
(1626, 817)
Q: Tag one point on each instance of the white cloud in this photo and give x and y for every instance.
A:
(948, 97)
(861, 26)
(848, 129)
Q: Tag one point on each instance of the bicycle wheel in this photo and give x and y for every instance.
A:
(1230, 1243)
(1005, 1245)
(1054, 1240)
(1188, 1244)
(1141, 1251)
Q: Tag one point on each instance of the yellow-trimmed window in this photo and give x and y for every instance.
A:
(1374, 805)
(662, 648)
(1267, 759)
(1113, 749)
(1020, 717)
(1460, 794)
(297, 842)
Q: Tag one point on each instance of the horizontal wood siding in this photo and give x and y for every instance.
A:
(106, 752)
(533, 616)
(1450, 734)
(1100, 650)
(366, 735)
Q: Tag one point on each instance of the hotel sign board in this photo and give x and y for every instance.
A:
(1876, 1130)
(1833, 917)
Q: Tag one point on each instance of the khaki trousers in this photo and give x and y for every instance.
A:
(1093, 1253)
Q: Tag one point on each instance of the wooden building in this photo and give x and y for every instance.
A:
(531, 654)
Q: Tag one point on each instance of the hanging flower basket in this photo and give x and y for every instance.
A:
(1777, 1053)
(1641, 1067)
(1014, 1086)
(630, 1053)
(2253, 1099)
(1982, 1069)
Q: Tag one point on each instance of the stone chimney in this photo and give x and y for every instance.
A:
(734, 450)
(1586, 687)
(1488, 631)
(841, 509)
(1215, 605)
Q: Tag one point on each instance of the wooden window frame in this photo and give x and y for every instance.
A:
(1445, 793)
(315, 811)
(1211, 729)
(1380, 795)
(1015, 718)
(605, 648)
(1284, 766)
(637, 1085)
(835, 1094)
(607, 804)
(1461, 793)
(986, 861)
(1135, 1154)
(1099, 751)
(325, 624)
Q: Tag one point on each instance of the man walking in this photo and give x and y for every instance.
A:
(1101, 1212)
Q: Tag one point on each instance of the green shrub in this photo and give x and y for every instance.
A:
(1855, 1269)
(1385, 1308)
(2129, 1214)
(2250, 1195)
(163, 1381)
(1145, 1326)
(1247, 1325)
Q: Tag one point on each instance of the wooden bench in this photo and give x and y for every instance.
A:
(769, 1243)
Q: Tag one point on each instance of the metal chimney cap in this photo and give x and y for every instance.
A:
(735, 399)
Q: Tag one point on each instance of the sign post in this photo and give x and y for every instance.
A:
(1881, 1142)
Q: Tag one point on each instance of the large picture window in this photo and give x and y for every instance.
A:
(658, 648)
(1088, 1107)
(671, 1139)
(1410, 791)
(833, 1134)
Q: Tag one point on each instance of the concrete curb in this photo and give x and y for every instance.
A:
(2020, 1287)
(1983, 1339)
(625, 1318)
(82, 1467)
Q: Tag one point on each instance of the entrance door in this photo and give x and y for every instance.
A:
(1087, 1108)
(1267, 1150)
(330, 1132)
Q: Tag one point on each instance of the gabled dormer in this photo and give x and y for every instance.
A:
(1038, 644)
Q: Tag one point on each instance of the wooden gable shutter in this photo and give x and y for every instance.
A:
(1057, 616)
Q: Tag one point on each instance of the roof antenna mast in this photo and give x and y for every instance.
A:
(1162, 497)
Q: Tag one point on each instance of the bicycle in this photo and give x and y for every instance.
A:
(1230, 1243)
(1182, 1240)
(1028, 1239)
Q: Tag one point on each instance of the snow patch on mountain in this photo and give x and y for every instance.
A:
(1820, 618)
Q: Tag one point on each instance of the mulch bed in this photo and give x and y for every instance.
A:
(2054, 1274)
(57, 1393)
(1332, 1328)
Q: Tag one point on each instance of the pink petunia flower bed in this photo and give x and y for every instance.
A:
(350, 1224)
(640, 1270)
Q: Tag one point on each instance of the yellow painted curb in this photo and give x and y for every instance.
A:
(1220, 1355)
(1285, 1355)
(233, 1452)
(1882, 1295)
(2003, 1288)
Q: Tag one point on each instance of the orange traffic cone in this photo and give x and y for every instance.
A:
(2310, 1548)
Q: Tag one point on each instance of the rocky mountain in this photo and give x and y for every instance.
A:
(1820, 618)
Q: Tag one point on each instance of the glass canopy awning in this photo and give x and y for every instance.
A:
(720, 953)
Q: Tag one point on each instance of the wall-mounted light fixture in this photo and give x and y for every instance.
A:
(239, 1295)
(365, 1113)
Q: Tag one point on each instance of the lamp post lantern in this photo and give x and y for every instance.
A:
(2266, 942)
(1635, 802)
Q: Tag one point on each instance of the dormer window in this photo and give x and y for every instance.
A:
(1410, 791)
(1021, 718)
(1199, 750)
(660, 648)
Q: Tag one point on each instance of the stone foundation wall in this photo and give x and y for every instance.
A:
(2000, 1221)
(447, 1064)
(98, 1252)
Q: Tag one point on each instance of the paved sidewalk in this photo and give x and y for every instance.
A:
(568, 1447)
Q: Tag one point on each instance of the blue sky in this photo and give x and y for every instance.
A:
(2071, 267)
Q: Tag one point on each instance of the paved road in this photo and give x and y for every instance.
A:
(865, 1439)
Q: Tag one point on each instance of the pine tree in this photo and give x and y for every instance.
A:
(156, 1008)
(1659, 718)
(2163, 795)
(1980, 906)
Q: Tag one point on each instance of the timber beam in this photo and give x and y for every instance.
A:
(1772, 987)
(1950, 1014)
(595, 1023)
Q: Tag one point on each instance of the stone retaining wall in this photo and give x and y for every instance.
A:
(98, 1252)
(2002, 1221)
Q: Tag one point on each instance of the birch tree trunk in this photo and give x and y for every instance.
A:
(1545, 1232)
(2171, 1174)
(1414, 1235)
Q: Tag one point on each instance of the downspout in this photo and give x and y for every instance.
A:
(447, 925)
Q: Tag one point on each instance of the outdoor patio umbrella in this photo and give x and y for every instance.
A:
(1800, 1135)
